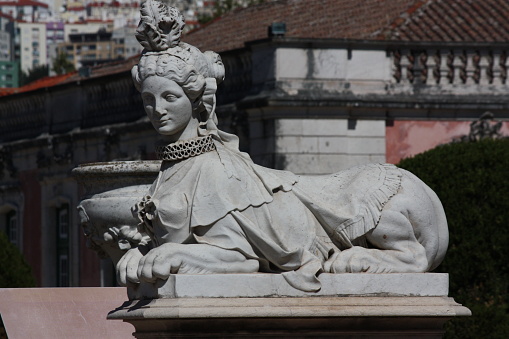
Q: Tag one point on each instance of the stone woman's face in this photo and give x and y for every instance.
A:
(167, 106)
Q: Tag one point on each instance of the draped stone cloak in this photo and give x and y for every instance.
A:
(291, 224)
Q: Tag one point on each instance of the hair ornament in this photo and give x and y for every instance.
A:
(160, 26)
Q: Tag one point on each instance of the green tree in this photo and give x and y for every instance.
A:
(36, 73)
(61, 65)
(472, 181)
(14, 271)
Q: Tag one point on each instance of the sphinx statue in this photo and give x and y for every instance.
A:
(212, 210)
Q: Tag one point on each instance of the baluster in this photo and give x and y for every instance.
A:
(503, 67)
(396, 66)
(430, 67)
(457, 66)
(484, 64)
(405, 65)
(470, 67)
(421, 70)
(446, 70)
(496, 68)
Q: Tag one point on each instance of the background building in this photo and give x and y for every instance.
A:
(32, 44)
(25, 10)
(341, 83)
(9, 74)
(5, 46)
(86, 49)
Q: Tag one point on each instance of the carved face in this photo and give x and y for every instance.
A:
(167, 106)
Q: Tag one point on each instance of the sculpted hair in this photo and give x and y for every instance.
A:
(172, 68)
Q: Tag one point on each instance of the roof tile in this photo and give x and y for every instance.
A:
(395, 20)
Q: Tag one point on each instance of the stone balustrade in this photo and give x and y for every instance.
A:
(450, 66)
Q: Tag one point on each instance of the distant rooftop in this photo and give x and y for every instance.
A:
(394, 20)
(95, 72)
(452, 20)
(19, 3)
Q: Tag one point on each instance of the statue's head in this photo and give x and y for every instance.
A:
(174, 78)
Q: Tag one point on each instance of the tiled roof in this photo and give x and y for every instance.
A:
(23, 3)
(95, 72)
(321, 19)
(106, 69)
(41, 83)
(452, 20)
(400, 20)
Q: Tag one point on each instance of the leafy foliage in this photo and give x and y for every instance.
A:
(472, 181)
(33, 74)
(61, 65)
(14, 271)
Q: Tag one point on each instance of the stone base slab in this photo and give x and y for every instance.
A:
(274, 285)
(265, 306)
(304, 317)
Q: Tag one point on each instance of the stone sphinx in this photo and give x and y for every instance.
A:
(212, 210)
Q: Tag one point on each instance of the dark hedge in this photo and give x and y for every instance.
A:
(14, 271)
(472, 181)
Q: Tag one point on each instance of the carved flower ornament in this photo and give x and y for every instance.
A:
(145, 212)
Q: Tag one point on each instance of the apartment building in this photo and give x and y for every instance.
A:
(5, 46)
(26, 10)
(9, 77)
(32, 42)
(89, 49)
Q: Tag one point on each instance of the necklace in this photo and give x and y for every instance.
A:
(184, 149)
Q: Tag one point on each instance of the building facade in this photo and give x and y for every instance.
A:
(9, 74)
(5, 46)
(32, 45)
(86, 49)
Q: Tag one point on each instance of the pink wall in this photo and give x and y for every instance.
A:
(407, 138)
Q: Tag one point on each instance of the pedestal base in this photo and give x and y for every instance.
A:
(387, 310)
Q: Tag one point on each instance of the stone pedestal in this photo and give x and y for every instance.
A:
(263, 305)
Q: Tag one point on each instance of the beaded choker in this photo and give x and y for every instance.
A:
(184, 149)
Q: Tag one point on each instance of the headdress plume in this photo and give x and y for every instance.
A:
(160, 26)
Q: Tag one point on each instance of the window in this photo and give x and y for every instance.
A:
(12, 227)
(63, 269)
(62, 221)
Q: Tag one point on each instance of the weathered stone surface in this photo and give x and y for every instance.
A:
(308, 317)
(61, 313)
(274, 285)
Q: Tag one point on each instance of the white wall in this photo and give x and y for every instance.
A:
(32, 33)
(320, 146)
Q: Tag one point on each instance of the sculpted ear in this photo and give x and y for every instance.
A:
(136, 78)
